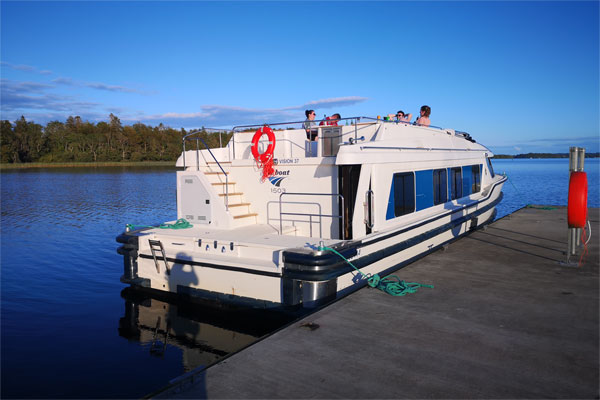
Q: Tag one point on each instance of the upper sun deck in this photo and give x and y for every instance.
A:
(359, 140)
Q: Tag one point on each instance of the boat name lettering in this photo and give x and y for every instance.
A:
(286, 161)
(282, 173)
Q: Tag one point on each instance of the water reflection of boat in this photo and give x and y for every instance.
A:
(275, 223)
(203, 334)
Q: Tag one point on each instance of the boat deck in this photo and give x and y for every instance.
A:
(255, 235)
(505, 320)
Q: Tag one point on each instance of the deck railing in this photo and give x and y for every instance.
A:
(311, 215)
(198, 140)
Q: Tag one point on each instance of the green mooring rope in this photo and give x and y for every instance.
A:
(181, 223)
(391, 284)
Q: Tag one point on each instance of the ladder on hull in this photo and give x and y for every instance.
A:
(156, 245)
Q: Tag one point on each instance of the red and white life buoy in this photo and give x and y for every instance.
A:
(268, 154)
(577, 206)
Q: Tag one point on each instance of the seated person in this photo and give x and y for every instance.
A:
(310, 125)
(423, 119)
(332, 121)
(401, 117)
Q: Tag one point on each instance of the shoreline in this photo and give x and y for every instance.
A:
(8, 166)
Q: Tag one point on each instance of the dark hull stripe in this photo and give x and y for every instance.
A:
(316, 262)
(342, 268)
(215, 266)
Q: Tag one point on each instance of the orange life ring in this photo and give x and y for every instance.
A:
(268, 154)
(577, 206)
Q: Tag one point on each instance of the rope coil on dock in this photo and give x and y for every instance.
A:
(391, 285)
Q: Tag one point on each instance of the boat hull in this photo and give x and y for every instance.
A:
(303, 276)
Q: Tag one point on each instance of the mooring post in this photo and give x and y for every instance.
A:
(576, 161)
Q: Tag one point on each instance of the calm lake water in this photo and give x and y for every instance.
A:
(70, 330)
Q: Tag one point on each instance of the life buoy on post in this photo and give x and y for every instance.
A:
(264, 160)
(577, 206)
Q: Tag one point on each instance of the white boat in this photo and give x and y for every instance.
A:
(380, 193)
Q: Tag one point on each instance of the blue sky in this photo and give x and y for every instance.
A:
(518, 76)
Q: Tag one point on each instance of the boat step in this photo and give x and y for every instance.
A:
(222, 183)
(216, 173)
(245, 215)
(231, 194)
(239, 205)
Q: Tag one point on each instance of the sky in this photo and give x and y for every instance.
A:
(518, 76)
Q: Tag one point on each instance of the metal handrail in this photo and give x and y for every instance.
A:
(185, 138)
(417, 148)
(310, 215)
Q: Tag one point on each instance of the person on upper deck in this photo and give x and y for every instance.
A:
(423, 119)
(401, 117)
(310, 125)
(331, 121)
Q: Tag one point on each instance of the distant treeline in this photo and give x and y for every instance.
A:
(82, 141)
(544, 155)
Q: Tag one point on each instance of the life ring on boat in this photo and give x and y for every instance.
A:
(268, 154)
(577, 206)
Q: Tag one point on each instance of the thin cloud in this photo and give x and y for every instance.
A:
(219, 116)
(96, 85)
(24, 96)
(26, 68)
(334, 102)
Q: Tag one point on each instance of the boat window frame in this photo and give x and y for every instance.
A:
(455, 188)
(475, 178)
(437, 188)
(490, 167)
(405, 209)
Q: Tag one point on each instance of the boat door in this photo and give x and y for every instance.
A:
(348, 185)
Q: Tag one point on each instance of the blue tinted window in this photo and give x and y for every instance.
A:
(440, 186)
(424, 189)
(467, 180)
(490, 167)
(475, 178)
(455, 183)
(404, 193)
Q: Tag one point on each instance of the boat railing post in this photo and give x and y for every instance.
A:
(343, 235)
(184, 153)
(233, 141)
(197, 154)
(580, 162)
(280, 219)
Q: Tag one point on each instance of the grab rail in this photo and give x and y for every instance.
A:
(310, 215)
(185, 138)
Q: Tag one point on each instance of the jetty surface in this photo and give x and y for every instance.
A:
(505, 320)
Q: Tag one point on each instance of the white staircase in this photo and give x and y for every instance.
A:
(239, 209)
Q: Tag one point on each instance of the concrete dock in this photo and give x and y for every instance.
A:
(505, 320)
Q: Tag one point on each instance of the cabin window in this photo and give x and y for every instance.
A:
(404, 193)
(475, 178)
(455, 183)
(440, 186)
(489, 164)
(423, 189)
